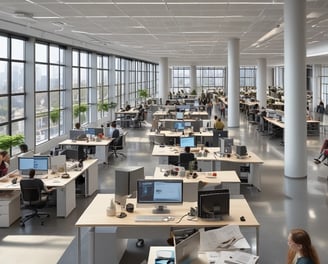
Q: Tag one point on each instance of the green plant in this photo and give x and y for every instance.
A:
(193, 92)
(79, 108)
(112, 105)
(103, 107)
(143, 93)
(54, 115)
(7, 141)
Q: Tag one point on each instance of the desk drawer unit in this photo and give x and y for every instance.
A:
(9, 207)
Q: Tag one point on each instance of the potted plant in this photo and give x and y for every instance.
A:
(7, 141)
(79, 108)
(112, 105)
(54, 115)
(103, 107)
(143, 93)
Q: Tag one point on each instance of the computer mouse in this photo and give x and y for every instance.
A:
(242, 218)
(122, 215)
(166, 219)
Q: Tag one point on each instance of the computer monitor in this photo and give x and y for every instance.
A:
(75, 134)
(241, 151)
(187, 124)
(179, 125)
(159, 193)
(179, 115)
(75, 154)
(222, 133)
(39, 163)
(187, 142)
(95, 131)
(213, 204)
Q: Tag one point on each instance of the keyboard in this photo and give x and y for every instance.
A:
(153, 218)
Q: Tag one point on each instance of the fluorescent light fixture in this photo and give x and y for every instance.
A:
(273, 32)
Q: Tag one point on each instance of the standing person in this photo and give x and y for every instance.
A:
(301, 250)
(218, 124)
(209, 107)
(320, 111)
(222, 109)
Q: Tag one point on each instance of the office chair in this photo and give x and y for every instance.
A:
(185, 159)
(33, 200)
(117, 144)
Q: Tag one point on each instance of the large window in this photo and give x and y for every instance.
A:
(210, 78)
(324, 84)
(81, 86)
(12, 86)
(49, 91)
(120, 81)
(181, 79)
(102, 85)
(247, 76)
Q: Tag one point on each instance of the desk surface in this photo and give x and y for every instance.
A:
(169, 133)
(103, 142)
(53, 180)
(211, 155)
(95, 215)
(220, 176)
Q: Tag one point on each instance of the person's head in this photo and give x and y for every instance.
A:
(187, 149)
(299, 242)
(215, 117)
(23, 148)
(77, 125)
(31, 173)
(113, 124)
(4, 156)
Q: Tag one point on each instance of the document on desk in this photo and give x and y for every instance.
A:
(231, 257)
(227, 237)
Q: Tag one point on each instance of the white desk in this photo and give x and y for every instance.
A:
(228, 180)
(66, 198)
(214, 162)
(101, 147)
(124, 228)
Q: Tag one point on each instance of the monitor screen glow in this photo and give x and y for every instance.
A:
(179, 125)
(187, 142)
(160, 193)
(40, 163)
(179, 115)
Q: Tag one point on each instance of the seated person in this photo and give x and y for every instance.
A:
(128, 108)
(218, 124)
(113, 131)
(37, 182)
(4, 163)
(23, 148)
(323, 152)
(186, 157)
(77, 126)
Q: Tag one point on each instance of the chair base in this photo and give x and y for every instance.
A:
(27, 217)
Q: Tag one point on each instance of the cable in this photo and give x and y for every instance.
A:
(182, 218)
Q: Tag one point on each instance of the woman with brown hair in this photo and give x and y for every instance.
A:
(301, 250)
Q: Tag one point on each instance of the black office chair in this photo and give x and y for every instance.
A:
(33, 199)
(185, 160)
(117, 144)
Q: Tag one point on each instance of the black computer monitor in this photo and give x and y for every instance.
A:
(187, 142)
(241, 151)
(214, 203)
(159, 193)
(75, 134)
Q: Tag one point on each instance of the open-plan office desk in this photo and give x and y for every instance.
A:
(175, 135)
(126, 228)
(66, 197)
(248, 167)
(101, 147)
(226, 180)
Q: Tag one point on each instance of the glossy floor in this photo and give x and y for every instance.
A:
(281, 205)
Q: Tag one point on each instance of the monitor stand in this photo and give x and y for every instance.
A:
(161, 209)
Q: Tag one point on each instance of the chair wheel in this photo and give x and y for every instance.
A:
(22, 224)
(140, 243)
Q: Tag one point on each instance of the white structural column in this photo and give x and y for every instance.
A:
(269, 74)
(193, 79)
(233, 82)
(163, 79)
(295, 92)
(316, 95)
(261, 81)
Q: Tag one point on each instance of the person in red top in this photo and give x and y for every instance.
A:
(4, 163)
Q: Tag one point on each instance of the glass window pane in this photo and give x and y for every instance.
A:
(17, 49)
(41, 52)
(75, 59)
(54, 54)
(4, 78)
(84, 59)
(41, 77)
(17, 77)
(4, 109)
(75, 73)
(17, 107)
(54, 77)
(4, 47)
(41, 103)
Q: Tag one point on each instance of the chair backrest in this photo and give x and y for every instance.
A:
(185, 159)
(31, 192)
(118, 142)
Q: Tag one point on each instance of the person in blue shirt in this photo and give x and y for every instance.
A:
(301, 250)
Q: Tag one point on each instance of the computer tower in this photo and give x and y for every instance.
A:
(226, 145)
